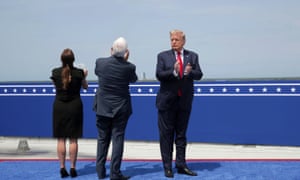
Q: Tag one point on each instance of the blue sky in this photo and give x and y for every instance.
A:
(234, 38)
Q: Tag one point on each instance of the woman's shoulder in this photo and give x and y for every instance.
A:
(56, 71)
(77, 71)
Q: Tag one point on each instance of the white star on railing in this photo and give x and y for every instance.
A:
(264, 89)
(293, 89)
(278, 89)
(256, 89)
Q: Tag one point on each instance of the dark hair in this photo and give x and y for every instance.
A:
(67, 59)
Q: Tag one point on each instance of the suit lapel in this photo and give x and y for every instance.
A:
(172, 56)
(186, 58)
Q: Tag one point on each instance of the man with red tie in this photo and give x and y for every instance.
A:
(176, 69)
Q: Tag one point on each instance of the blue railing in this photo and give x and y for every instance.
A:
(236, 112)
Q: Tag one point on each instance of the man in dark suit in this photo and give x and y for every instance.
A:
(176, 70)
(113, 106)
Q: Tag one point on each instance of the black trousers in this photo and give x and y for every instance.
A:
(172, 126)
(110, 129)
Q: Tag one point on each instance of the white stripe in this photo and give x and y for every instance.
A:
(271, 94)
(258, 84)
(153, 95)
(157, 85)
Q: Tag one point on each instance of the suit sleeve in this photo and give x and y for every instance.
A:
(196, 73)
(96, 68)
(164, 69)
(133, 76)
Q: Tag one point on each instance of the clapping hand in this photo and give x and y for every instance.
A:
(187, 69)
(126, 55)
(85, 72)
(177, 67)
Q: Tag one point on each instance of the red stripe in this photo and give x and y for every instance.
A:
(159, 160)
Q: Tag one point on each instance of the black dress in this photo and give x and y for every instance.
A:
(67, 106)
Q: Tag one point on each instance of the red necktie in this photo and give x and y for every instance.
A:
(180, 64)
(180, 70)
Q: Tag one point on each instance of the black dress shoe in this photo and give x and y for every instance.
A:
(169, 173)
(186, 171)
(63, 173)
(101, 173)
(102, 176)
(73, 172)
(122, 177)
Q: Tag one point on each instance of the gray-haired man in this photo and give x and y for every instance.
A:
(113, 106)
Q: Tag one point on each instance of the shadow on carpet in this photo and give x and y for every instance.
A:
(139, 170)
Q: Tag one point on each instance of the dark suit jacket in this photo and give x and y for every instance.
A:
(114, 76)
(169, 84)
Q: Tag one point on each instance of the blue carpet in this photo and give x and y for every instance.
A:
(139, 170)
